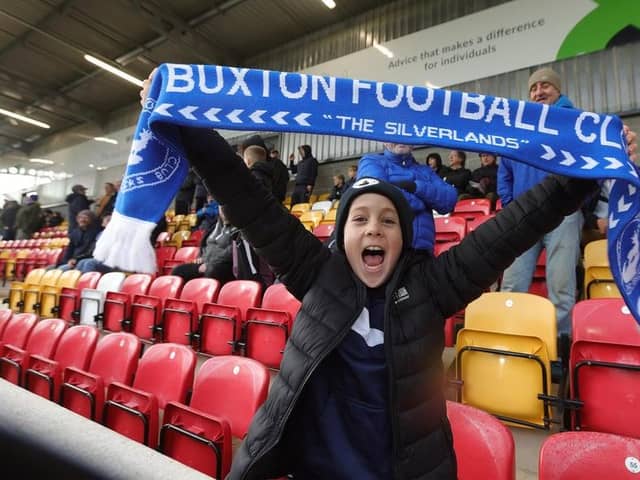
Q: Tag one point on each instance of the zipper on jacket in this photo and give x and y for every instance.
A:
(388, 344)
(343, 333)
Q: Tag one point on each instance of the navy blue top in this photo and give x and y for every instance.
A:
(343, 425)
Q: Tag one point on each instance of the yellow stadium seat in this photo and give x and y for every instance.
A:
(50, 295)
(598, 279)
(323, 196)
(16, 289)
(299, 208)
(503, 356)
(312, 216)
(177, 238)
(313, 198)
(287, 202)
(32, 292)
(330, 217)
(308, 225)
(10, 267)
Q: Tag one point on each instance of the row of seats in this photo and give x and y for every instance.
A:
(16, 264)
(234, 318)
(108, 380)
(194, 416)
(505, 350)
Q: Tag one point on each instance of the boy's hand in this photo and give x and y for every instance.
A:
(632, 144)
(145, 87)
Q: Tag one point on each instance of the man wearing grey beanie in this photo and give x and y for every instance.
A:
(562, 244)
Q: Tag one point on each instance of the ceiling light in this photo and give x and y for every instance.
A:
(91, 165)
(22, 118)
(111, 69)
(382, 49)
(106, 140)
(41, 160)
(329, 4)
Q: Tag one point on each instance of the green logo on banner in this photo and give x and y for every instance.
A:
(600, 26)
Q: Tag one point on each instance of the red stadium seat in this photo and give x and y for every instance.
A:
(539, 280)
(75, 349)
(477, 221)
(164, 253)
(68, 307)
(450, 229)
(114, 360)
(227, 392)
(43, 340)
(180, 315)
(441, 247)
(162, 238)
(134, 411)
(589, 456)
(604, 367)
(484, 446)
(324, 231)
(117, 305)
(183, 255)
(472, 208)
(17, 331)
(5, 316)
(221, 323)
(267, 328)
(146, 310)
(194, 239)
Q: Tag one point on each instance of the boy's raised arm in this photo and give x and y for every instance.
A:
(477, 262)
(291, 251)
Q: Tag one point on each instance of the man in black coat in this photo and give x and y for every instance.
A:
(306, 176)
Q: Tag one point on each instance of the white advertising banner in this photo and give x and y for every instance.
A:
(504, 38)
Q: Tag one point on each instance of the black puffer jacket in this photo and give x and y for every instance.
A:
(422, 293)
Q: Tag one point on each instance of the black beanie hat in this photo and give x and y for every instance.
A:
(374, 185)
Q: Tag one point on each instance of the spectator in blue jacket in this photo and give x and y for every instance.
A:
(398, 166)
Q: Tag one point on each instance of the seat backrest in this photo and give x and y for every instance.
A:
(450, 229)
(503, 384)
(68, 279)
(162, 237)
(45, 336)
(136, 284)
(481, 206)
(50, 278)
(324, 206)
(515, 314)
(277, 297)
(243, 294)
(484, 446)
(477, 221)
(186, 254)
(324, 230)
(164, 253)
(17, 331)
(77, 346)
(201, 291)
(604, 367)
(34, 276)
(88, 280)
(54, 255)
(589, 456)
(5, 317)
(166, 286)
(151, 375)
(233, 388)
(116, 358)
(111, 282)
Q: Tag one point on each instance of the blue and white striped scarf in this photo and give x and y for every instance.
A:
(561, 140)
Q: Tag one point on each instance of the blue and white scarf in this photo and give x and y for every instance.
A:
(560, 140)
